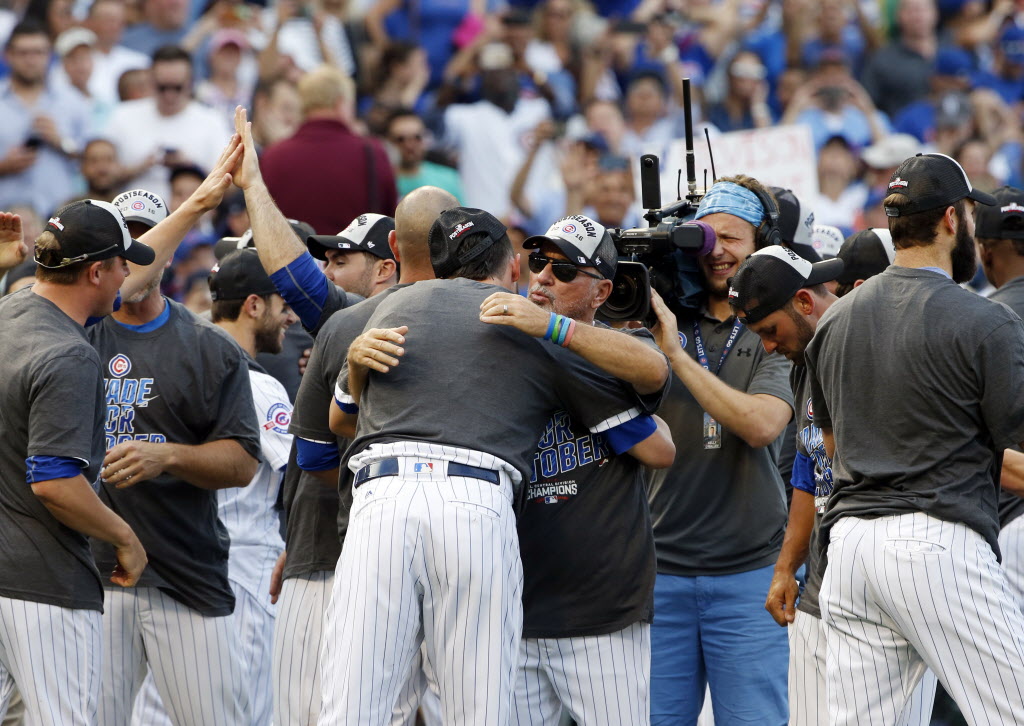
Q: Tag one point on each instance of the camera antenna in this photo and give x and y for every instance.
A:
(707, 137)
(691, 174)
(679, 185)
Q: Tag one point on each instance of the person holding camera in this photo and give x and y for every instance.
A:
(719, 511)
(43, 126)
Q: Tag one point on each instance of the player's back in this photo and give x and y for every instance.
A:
(469, 384)
(911, 386)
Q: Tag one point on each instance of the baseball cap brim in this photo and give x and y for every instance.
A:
(571, 251)
(139, 253)
(981, 197)
(824, 271)
(318, 244)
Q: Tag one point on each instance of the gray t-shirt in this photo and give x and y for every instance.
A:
(720, 511)
(472, 385)
(185, 382)
(318, 514)
(50, 405)
(1010, 294)
(922, 383)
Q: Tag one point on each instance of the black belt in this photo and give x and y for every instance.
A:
(389, 467)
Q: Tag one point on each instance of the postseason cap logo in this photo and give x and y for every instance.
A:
(460, 229)
(119, 365)
(899, 183)
(1012, 208)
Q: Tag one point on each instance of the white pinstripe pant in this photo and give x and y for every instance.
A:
(54, 655)
(907, 592)
(298, 638)
(1011, 543)
(195, 660)
(427, 558)
(255, 629)
(600, 679)
(808, 699)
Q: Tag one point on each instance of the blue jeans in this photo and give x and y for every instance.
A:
(715, 631)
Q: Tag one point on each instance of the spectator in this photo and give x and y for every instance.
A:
(399, 82)
(407, 134)
(276, 111)
(496, 129)
(841, 193)
(882, 158)
(110, 59)
(312, 34)
(42, 127)
(611, 194)
(832, 103)
(913, 54)
(325, 174)
(745, 106)
(649, 129)
(949, 86)
(224, 88)
(835, 33)
(605, 119)
(165, 22)
(554, 85)
(135, 84)
(100, 170)
(553, 49)
(170, 129)
(975, 156)
(74, 48)
(54, 15)
(1007, 74)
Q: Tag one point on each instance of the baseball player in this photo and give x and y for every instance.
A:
(781, 297)
(51, 449)
(912, 578)
(314, 544)
(358, 258)
(585, 530)
(179, 427)
(433, 487)
(1000, 236)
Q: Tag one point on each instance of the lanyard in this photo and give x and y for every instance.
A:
(698, 343)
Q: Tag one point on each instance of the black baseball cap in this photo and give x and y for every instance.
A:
(769, 278)
(239, 275)
(90, 230)
(365, 233)
(585, 242)
(1005, 220)
(932, 181)
(226, 245)
(865, 254)
(450, 232)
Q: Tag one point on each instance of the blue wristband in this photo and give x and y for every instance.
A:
(563, 329)
(551, 327)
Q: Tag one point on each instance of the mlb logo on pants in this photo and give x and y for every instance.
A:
(422, 467)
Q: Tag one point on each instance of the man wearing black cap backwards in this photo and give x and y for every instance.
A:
(917, 386)
(781, 297)
(51, 448)
(1000, 236)
(431, 553)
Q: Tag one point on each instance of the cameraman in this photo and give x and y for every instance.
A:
(720, 511)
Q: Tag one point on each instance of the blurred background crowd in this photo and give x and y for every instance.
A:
(530, 110)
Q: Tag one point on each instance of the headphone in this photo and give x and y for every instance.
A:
(772, 234)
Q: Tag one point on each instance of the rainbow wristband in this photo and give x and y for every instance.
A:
(551, 326)
(568, 334)
(564, 330)
(560, 329)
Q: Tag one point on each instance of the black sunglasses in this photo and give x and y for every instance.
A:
(170, 87)
(563, 271)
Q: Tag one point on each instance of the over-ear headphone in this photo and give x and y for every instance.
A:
(772, 234)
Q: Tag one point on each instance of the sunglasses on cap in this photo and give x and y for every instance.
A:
(563, 271)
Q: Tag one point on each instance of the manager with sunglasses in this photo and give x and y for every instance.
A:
(719, 511)
(167, 129)
(585, 529)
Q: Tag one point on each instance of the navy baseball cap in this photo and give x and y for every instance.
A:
(1005, 220)
(239, 275)
(585, 242)
(365, 233)
(460, 235)
(932, 181)
(90, 230)
(865, 254)
(1012, 43)
(770, 277)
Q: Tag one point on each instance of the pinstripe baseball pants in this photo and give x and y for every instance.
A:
(54, 655)
(195, 660)
(429, 558)
(1011, 543)
(599, 679)
(907, 592)
(808, 693)
(298, 638)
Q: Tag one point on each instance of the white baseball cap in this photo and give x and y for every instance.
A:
(826, 239)
(73, 38)
(138, 205)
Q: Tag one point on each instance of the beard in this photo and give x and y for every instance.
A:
(964, 256)
(578, 310)
(804, 333)
(267, 336)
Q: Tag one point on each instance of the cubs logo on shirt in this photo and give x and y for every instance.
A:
(119, 365)
(278, 418)
(810, 411)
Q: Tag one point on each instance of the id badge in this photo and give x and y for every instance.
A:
(712, 432)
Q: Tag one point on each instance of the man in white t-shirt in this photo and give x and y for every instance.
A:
(169, 129)
(110, 59)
